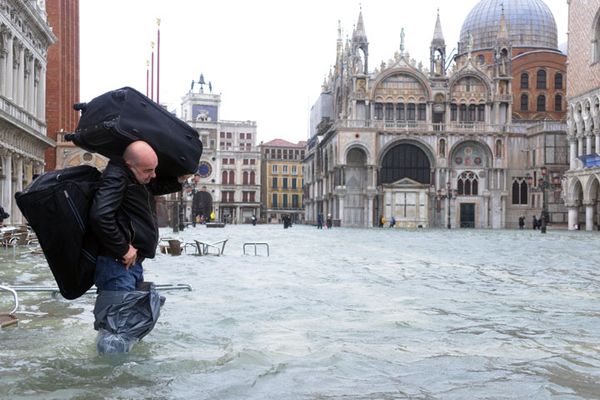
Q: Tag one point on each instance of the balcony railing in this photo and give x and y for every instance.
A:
(16, 113)
(424, 126)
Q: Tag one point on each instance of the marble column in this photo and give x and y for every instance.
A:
(30, 85)
(588, 143)
(572, 153)
(7, 184)
(18, 217)
(41, 111)
(572, 216)
(579, 146)
(589, 216)
(8, 88)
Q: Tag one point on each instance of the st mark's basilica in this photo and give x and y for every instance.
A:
(476, 138)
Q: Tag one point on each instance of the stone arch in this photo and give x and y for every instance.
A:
(420, 78)
(422, 145)
(356, 147)
(460, 147)
(406, 159)
(469, 74)
(590, 189)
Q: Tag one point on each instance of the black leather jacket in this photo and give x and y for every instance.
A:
(124, 211)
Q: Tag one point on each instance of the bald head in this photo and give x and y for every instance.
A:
(142, 160)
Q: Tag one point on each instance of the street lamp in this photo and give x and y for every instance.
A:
(449, 196)
(445, 196)
(543, 184)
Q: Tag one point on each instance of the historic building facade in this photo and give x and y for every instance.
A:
(24, 40)
(228, 178)
(582, 185)
(459, 145)
(282, 181)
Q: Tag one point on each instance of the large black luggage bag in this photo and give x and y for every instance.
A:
(56, 205)
(113, 120)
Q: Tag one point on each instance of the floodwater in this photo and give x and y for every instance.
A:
(330, 314)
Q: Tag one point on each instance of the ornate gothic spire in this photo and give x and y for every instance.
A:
(438, 36)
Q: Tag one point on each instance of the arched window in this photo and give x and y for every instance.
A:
(400, 114)
(252, 178)
(541, 79)
(245, 178)
(524, 80)
(467, 184)
(411, 112)
(453, 112)
(405, 161)
(231, 177)
(472, 113)
(224, 178)
(481, 113)
(558, 102)
(558, 81)
(463, 113)
(519, 191)
(442, 148)
(524, 102)
(389, 112)
(541, 103)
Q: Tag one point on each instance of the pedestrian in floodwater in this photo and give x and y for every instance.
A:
(392, 222)
(124, 221)
(329, 221)
(319, 221)
(521, 222)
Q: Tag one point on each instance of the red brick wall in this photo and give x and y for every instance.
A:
(584, 75)
(62, 75)
(531, 62)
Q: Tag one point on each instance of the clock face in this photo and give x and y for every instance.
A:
(204, 169)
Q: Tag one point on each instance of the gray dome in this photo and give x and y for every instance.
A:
(529, 23)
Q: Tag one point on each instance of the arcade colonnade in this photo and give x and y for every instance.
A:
(581, 187)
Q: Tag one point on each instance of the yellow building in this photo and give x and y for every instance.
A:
(281, 180)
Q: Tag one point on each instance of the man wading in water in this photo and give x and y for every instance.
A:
(123, 218)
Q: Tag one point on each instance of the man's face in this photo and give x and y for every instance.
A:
(144, 170)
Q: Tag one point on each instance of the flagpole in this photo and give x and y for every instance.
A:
(152, 73)
(147, 76)
(158, 61)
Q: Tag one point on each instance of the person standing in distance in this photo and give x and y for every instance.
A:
(123, 216)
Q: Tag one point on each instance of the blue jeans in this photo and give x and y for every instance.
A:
(112, 275)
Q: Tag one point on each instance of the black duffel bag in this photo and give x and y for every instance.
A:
(113, 120)
(56, 206)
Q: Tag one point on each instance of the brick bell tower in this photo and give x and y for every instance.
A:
(62, 78)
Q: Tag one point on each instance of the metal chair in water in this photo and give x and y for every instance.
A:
(205, 248)
(9, 318)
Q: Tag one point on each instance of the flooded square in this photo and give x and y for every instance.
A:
(329, 314)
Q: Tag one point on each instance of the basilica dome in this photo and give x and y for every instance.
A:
(529, 23)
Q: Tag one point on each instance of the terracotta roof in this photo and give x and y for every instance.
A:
(283, 143)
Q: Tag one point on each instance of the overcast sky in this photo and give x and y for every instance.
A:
(266, 58)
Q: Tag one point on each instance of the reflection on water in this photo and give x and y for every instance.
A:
(331, 314)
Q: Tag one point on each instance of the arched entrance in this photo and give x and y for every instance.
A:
(355, 203)
(405, 176)
(202, 204)
(592, 204)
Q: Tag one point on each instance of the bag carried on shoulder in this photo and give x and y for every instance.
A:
(56, 205)
(113, 120)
